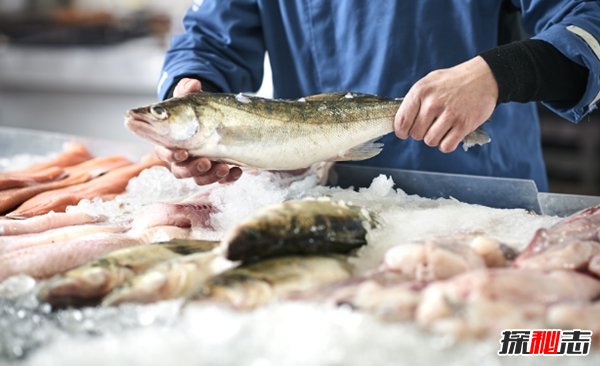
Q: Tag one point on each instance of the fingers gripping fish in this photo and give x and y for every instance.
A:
(273, 134)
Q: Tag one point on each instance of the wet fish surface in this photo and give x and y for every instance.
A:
(256, 284)
(51, 220)
(113, 182)
(573, 243)
(89, 283)
(44, 260)
(273, 134)
(171, 279)
(299, 227)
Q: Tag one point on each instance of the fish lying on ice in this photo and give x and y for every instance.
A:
(175, 278)
(20, 180)
(576, 316)
(13, 197)
(390, 296)
(90, 282)
(193, 212)
(75, 175)
(299, 227)
(445, 257)
(256, 284)
(51, 220)
(484, 302)
(272, 134)
(572, 243)
(113, 182)
(73, 154)
(16, 243)
(48, 259)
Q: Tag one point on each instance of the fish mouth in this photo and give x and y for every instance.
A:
(143, 125)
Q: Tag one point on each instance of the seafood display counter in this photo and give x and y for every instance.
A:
(34, 143)
(404, 268)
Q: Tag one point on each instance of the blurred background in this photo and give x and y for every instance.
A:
(75, 66)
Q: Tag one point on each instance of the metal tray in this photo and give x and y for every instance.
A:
(488, 191)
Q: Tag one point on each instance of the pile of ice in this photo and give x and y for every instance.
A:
(280, 334)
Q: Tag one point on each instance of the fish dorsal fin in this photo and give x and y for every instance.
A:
(361, 152)
(337, 96)
(323, 97)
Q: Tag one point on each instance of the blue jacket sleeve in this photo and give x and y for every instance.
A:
(573, 27)
(222, 43)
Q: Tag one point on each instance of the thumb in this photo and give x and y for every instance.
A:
(187, 86)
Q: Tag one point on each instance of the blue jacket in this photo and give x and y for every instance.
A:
(383, 47)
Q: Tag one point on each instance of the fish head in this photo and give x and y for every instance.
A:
(171, 123)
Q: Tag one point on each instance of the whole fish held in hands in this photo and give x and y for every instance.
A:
(272, 133)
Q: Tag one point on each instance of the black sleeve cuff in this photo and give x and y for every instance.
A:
(534, 70)
(207, 86)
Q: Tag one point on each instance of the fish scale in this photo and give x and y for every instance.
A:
(272, 134)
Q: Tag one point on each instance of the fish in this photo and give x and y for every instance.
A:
(51, 220)
(47, 259)
(272, 134)
(297, 227)
(171, 279)
(20, 180)
(193, 212)
(256, 284)
(75, 175)
(486, 301)
(576, 316)
(59, 235)
(444, 257)
(73, 154)
(11, 198)
(89, 283)
(390, 296)
(114, 181)
(572, 243)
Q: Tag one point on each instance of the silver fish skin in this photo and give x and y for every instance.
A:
(253, 285)
(272, 134)
(89, 283)
(175, 278)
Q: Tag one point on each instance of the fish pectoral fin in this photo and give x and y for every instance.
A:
(361, 152)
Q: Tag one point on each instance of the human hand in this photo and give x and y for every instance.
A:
(448, 104)
(203, 170)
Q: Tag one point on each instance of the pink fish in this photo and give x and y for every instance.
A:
(51, 220)
(115, 181)
(45, 260)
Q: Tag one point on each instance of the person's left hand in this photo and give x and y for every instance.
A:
(447, 104)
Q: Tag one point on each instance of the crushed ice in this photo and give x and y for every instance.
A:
(280, 334)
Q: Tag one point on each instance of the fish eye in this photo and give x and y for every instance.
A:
(158, 112)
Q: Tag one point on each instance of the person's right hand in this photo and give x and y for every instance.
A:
(203, 170)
